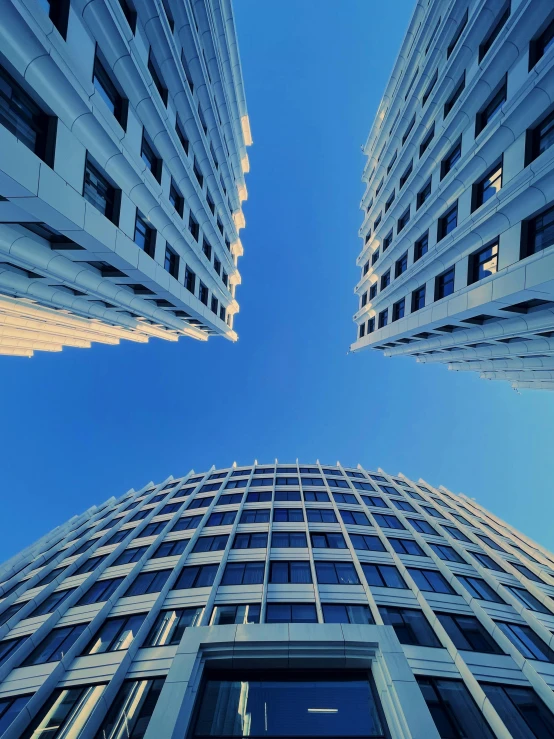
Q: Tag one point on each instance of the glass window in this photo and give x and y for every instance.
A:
(444, 284)
(170, 625)
(132, 709)
(285, 705)
(528, 643)
(446, 224)
(403, 505)
(225, 518)
(10, 708)
(187, 522)
(145, 236)
(410, 626)
(367, 542)
(522, 710)
(251, 541)
(321, 515)
(339, 573)
(170, 548)
(292, 539)
(255, 515)
(201, 503)
(99, 192)
(483, 263)
(57, 643)
(291, 515)
(454, 97)
(478, 588)
(384, 576)
(541, 137)
(334, 613)
(263, 497)
(201, 576)
(487, 188)
(527, 600)
(406, 546)
(456, 534)
(115, 634)
(468, 633)
(493, 107)
(242, 614)
(211, 543)
(430, 581)
(374, 501)
(290, 572)
(109, 93)
(538, 233)
(148, 582)
(328, 541)
(493, 33)
(316, 496)
(64, 713)
(243, 573)
(50, 603)
(354, 517)
(7, 648)
(451, 159)
(157, 78)
(21, 116)
(447, 553)
(454, 711)
(387, 522)
(288, 613)
(487, 561)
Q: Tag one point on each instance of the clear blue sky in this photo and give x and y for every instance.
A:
(82, 425)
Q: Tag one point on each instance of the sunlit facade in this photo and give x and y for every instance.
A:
(279, 600)
(457, 263)
(123, 135)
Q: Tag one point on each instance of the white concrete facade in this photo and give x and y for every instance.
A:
(123, 138)
(457, 264)
(432, 592)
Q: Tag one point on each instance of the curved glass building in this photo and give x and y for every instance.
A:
(279, 601)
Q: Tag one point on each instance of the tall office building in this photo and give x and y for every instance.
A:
(457, 264)
(278, 601)
(123, 134)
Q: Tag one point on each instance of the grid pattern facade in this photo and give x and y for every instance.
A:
(97, 608)
(122, 172)
(457, 259)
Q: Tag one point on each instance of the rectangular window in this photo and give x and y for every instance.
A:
(286, 613)
(150, 158)
(454, 711)
(100, 591)
(401, 265)
(540, 138)
(327, 541)
(407, 172)
(290, 572)
(429, 88)
(198, 173)
(421, 247)
(387, 241)
(115, 634)
(109, 93)
(157, 78)
(483, 263)
(407, 546)
(430, 581)
(457, 534)
(403, 505)
(444, 284)
(528, 600)
(468, 633)
(447, 222)
(521, 709)
(190, 280)
(226, 518)
(541, 44)
(176, 199)
(526, 641)
(130, 14)
(383, 576)
(457, 35)
(211, 543)
(447, 553)
(408, 130)
(410, 626)
(334, 613)
(321, 515)
(492, 107)
(451, 159)
(398, 309)
(423, 195)
(65, 712)
(181, 135)
(132, 708)
(453, 99)
(170, 548)
(487, 561)
(386, 521)
(426, 141)
(25, 120)
(478, 588)
(243, 573)
(203, 293)
(422, 526)
(55, 645)
(356, 518)
(288, 540)
(537, 233)
(418, 299)
(383, 318)
(374, 501)
(290, 515)
(242, 614)
(390, 201)
(201, 576)
(365, 542)
(492, 35)
(170, 625)
(256, 515)
(336, 573)
(148, 582)
(487, 187)
(392, 161)
(403, 220)
(171, 262)
(100, 193)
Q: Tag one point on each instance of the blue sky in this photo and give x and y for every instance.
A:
(80, 426)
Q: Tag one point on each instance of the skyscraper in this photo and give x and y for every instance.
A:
(279, 600)
(122, 158)
(457, 261)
